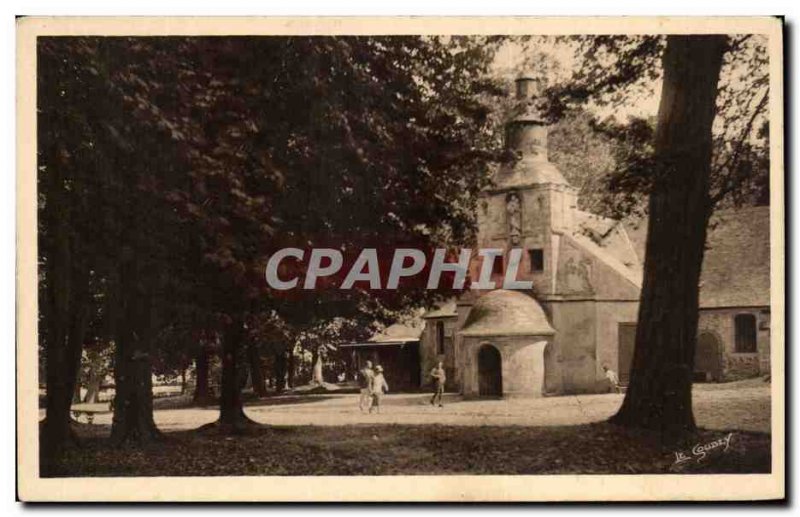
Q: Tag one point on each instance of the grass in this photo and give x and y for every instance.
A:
(416, 449)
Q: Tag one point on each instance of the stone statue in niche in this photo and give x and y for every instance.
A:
(514, 212)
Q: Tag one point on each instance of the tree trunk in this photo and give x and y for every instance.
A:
(133, 401)
(183, 381)
(316, 369)
(290, 369)
(231, 411)
(93, 388)
(64, 348)
(76, 391)
(201, 395)
(67, 300)
(280, 371)
(659, 395)
(256, 370)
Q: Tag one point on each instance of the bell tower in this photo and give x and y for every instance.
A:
(530, 204)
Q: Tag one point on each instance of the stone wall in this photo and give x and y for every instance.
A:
(571, 362)
(522, 360)
(737, 365)
(429, 356)
(609, 316)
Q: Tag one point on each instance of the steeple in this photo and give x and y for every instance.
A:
(526, 135)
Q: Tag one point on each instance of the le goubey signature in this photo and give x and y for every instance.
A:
(701, 450)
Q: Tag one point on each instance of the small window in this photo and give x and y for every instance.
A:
(440, 338)
(537, 260)
(745, 327)
(497, 265)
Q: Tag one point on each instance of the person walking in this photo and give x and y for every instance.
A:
(379, 387)
(439, 378)
(365, 378)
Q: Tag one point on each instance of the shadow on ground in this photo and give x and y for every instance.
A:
(420, 449)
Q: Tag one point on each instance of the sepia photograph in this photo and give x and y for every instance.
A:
(453, 258)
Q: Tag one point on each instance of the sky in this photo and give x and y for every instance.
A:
(562, 61)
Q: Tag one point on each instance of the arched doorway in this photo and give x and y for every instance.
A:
(490, 372)
(707, 358)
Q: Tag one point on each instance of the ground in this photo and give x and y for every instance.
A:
(327, 434)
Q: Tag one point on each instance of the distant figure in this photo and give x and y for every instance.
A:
(365, 378)
(439, 378)
(379, 387)
(613, 380)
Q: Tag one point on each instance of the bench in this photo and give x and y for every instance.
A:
(89, 410)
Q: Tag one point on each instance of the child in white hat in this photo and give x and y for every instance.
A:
(379, 387)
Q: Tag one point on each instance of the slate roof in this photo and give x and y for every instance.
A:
(506, 313)
(632, 275)
(611, 236)
(593, 225)
(444, 310)
(736, 271)
(400, 332)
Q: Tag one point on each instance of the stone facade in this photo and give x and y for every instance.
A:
(717, 327)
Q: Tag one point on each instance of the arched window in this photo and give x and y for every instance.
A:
(440, 338)
(745, 327)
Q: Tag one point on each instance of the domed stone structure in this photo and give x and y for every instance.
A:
(506, 313)
(503, 343)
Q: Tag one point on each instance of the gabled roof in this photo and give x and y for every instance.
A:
(736, 270)
(634, 276)
(444, 310)
(610, 235)
(399, 332)
(593, 225)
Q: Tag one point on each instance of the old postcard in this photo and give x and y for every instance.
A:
(400, 259)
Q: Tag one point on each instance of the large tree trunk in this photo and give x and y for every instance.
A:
(256, 370)
(62, 373)
(660, 392)
(65, 322)
(231, 411)
(133, 401)
(201, 395)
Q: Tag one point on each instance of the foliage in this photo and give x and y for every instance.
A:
(616, 72)
(186, 161)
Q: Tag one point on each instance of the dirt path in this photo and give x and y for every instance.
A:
(745, 406)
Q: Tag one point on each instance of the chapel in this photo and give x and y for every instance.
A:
(586, 271)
